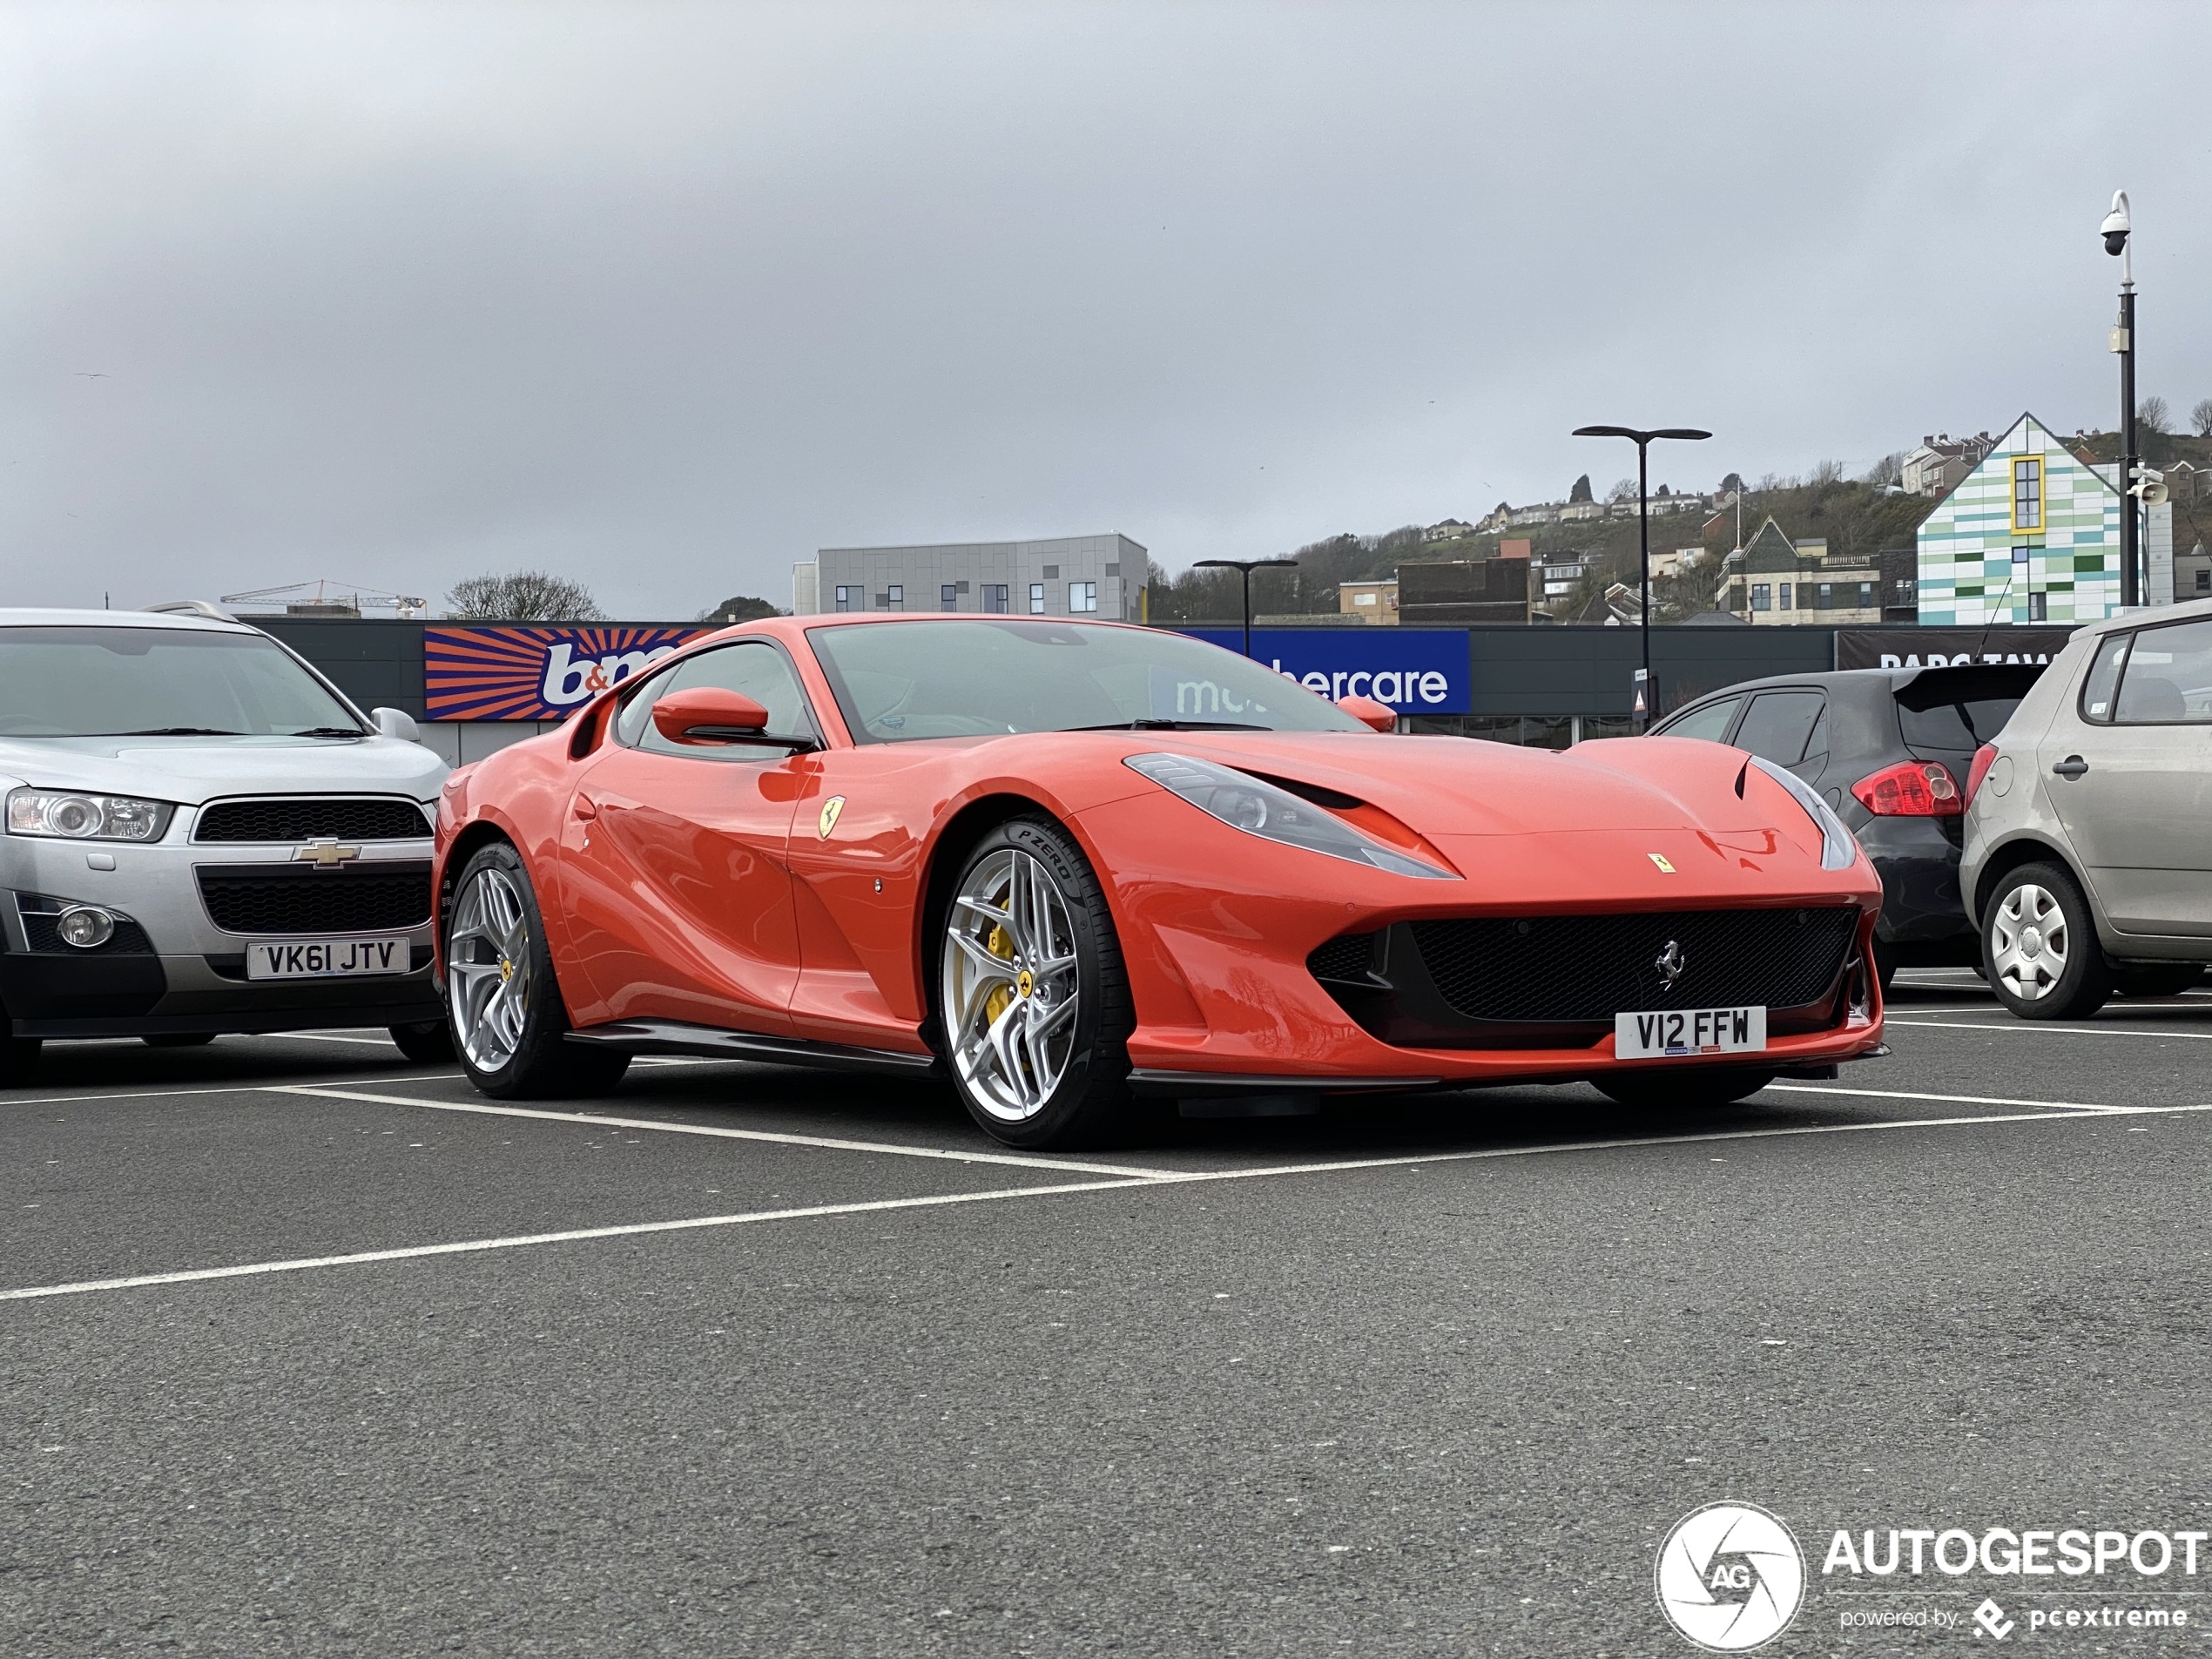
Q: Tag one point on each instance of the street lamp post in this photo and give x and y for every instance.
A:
(2115, 233)
(1643, 441)
(1247, 566)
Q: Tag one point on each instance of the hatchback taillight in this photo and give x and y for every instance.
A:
(1980, 770)
(1910, 789)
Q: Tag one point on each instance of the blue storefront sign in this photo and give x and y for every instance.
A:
(1415, 670)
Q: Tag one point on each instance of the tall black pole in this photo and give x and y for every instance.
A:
(1643, 547)
(2131, 591)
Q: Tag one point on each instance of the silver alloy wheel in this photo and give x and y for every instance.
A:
(2028, 942)
(1011, 987)
(488, 968)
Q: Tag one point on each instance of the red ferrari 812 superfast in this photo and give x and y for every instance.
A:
(1069, 865)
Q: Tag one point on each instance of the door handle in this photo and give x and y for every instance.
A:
(2072, 766)
(585, 806)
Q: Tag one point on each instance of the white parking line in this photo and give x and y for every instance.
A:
(1954, 1100)
(2052, 1030)
(218, 1089)
(824, 1142)
(325, 1037)
(1160, 1180)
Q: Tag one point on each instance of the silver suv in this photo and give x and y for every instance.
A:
(2087, 862)
(203, 835)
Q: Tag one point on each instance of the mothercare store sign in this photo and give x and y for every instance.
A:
(1415, 670)
(534, 673)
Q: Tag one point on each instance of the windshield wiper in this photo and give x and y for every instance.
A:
(1169, 725)
(177, 731)
(329, 731)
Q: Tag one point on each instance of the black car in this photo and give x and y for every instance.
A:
(1889, 748)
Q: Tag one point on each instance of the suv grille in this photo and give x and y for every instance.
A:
(294, 898)
(303, 818)
(1591, 968)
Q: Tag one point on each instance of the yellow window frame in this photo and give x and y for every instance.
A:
(2013, 483)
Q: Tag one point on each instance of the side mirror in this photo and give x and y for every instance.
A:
(392, 723)
(709, 714)
(1380, 716)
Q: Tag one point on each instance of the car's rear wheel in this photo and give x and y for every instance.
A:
(501, 999)
(2039, 946)
(1032, 995)
(1668, 1090)
(2156, 979)
(428, 1043)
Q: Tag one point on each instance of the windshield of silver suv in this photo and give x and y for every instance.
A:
(90, 682)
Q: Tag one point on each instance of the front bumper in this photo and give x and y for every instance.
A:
(175, 971)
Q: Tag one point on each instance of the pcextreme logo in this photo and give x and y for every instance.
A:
(1730, 1577)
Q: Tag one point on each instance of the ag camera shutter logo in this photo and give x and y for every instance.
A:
(1730, 1577)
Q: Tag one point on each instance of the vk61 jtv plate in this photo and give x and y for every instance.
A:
(326, 958)
(1668, 1033)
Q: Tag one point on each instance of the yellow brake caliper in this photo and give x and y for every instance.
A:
(1003, 948)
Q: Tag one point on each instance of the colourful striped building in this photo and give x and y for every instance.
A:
(2030, 535)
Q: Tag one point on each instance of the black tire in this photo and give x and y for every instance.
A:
(1666, 1090)
(1884, 961)
(428, 1044)
(2156, 979)
(180, 1040)
(18, 1057)
(529, 1059)
(2018, 966)
(1089, 1101)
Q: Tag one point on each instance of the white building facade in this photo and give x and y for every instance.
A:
(1067, 576)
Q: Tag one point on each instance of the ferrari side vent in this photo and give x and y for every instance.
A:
(1345, 959)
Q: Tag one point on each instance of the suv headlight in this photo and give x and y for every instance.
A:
(71, 817)
(1261, 809)
(1837, 848)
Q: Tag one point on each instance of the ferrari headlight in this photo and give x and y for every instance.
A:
(1261, 809)
(1838, 849)
(87, 818)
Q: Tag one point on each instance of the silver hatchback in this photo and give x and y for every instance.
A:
(2087, 864)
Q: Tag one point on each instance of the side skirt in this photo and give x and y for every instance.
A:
(673, 1036)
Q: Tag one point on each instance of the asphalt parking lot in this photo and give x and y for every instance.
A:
(309, 1351)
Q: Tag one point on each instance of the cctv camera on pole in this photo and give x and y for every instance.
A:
(2115, 230)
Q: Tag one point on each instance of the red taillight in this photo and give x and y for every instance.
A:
(1910, 789)
(1980, 770)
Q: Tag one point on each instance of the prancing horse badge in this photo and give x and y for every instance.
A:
(831, 808)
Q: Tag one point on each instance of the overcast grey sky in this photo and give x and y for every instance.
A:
(664, 297)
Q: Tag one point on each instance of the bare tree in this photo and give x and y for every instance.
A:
(1625, 490)
(2152, 416)
(1827, 472)
(2200, 418)
(522, 595)
(1889, 469)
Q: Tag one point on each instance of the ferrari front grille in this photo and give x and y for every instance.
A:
(1524, 968)
(284, 898)
(304, 818)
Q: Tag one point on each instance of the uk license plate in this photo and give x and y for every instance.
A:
(1672, 1032)
(326, 958)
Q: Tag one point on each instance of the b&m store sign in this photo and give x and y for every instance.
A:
(519, 673)
(1415, 670)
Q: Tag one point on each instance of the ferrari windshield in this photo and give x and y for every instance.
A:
(96, 682)
(900, 681)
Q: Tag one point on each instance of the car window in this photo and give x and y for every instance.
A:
(72, 682)
(757, 670)
(2167, 679)
(2104, 675)
(1958, 709)
(1778, 725)
(1709, 722)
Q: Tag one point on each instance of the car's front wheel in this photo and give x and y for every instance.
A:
(2039, 946)
(1032, 995)
(1661, 1089)
(427, 1043)
(502, 1001)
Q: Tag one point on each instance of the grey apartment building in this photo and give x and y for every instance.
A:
(1066, 576)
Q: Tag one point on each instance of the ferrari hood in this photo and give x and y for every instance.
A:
(1450, 787)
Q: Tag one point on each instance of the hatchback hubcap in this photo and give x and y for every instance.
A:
(1011, 987)
(2027, 942)
(488, 976)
